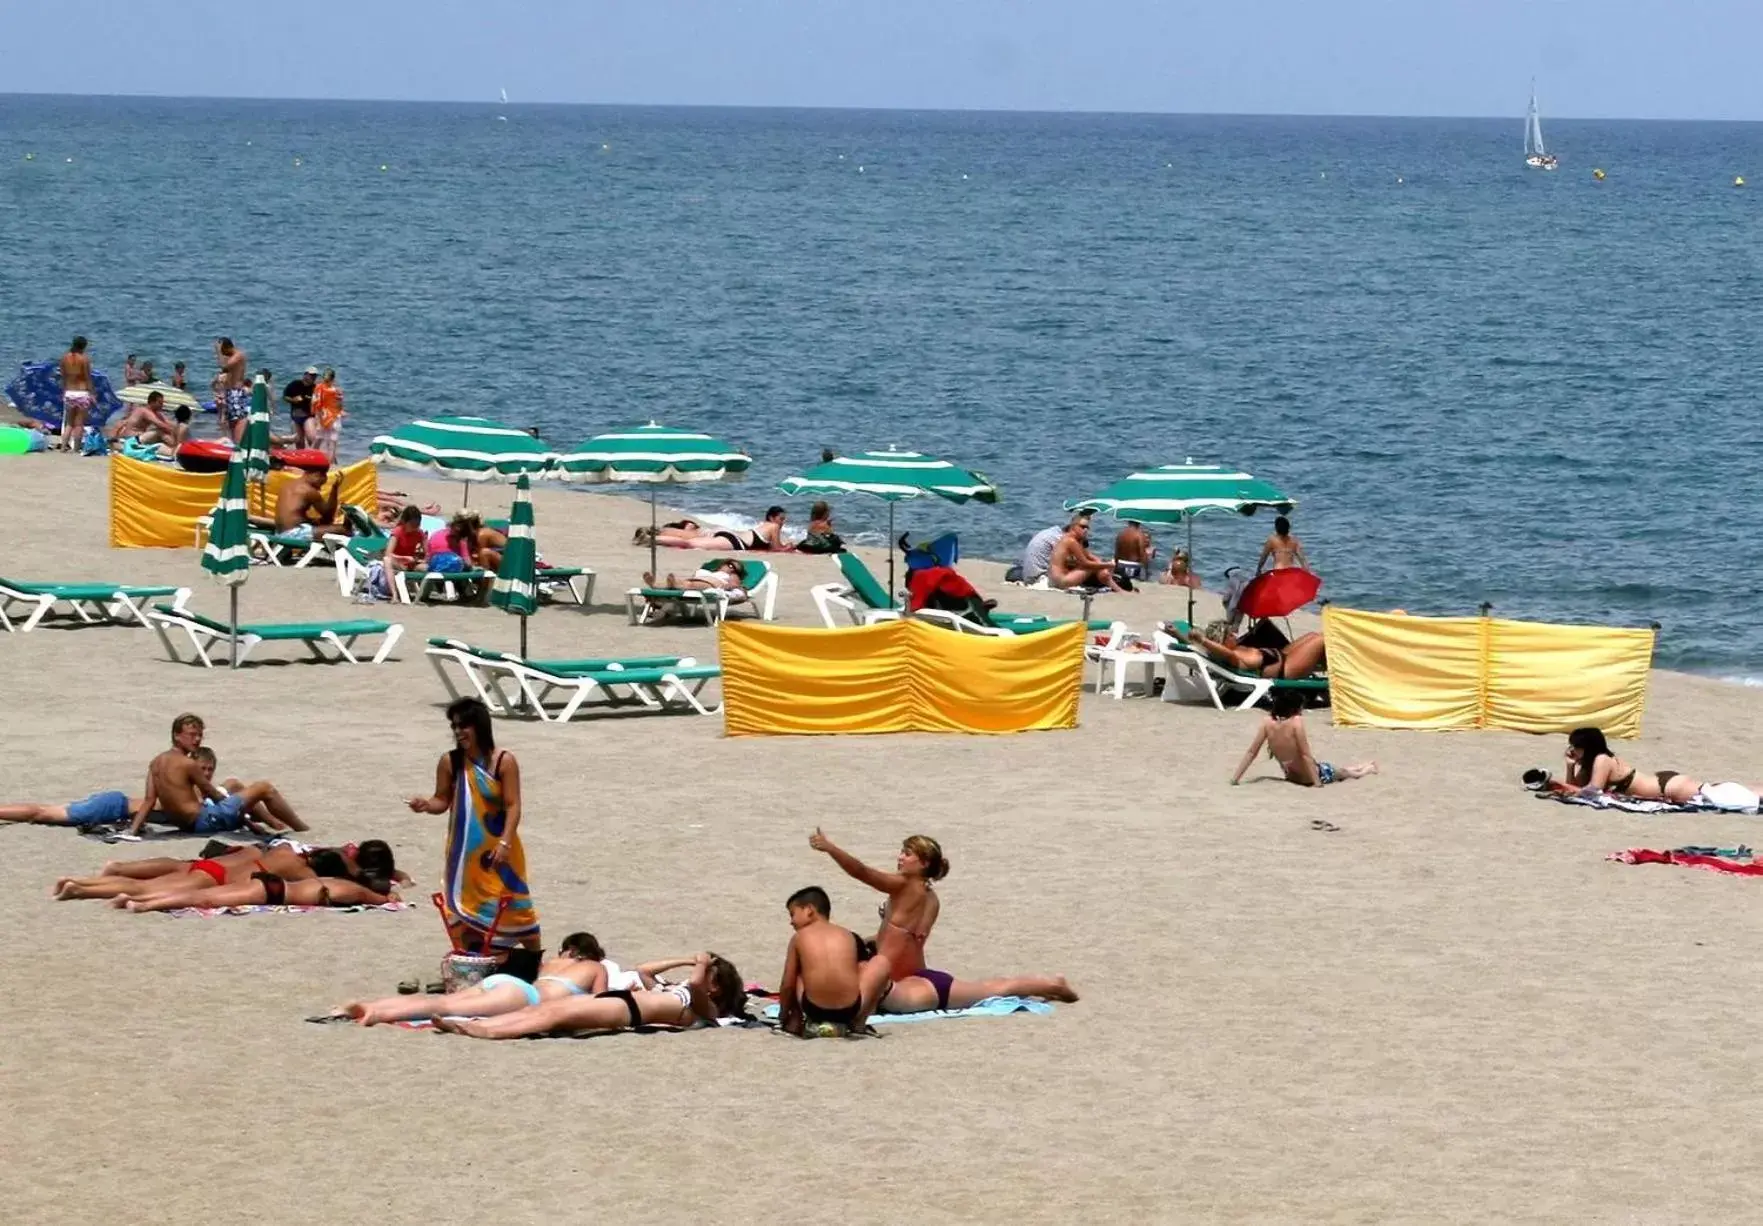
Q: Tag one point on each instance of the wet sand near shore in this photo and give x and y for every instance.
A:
(1450, 1009)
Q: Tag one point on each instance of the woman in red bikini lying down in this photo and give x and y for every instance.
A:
(1304, 656)
(371, 859)
(714, 990)
(267, 889)
(906, 921)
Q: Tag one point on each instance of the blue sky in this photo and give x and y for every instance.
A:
(1606, 58)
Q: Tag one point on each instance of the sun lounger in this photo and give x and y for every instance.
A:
(507, 683)
(92, 603)
(758, 582)
(861, 600)
(1191, 675)
(204, 633)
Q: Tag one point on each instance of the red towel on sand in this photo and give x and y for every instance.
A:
(1643, 855)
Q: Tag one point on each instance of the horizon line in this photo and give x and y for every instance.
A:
(927, 110)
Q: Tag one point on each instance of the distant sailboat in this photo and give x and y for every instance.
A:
(504, 118)
(1535, 156)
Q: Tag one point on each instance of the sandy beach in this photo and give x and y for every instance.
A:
(1451, 1009)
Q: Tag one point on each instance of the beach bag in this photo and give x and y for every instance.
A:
(821, 542)
(379, 582)
(92, 443)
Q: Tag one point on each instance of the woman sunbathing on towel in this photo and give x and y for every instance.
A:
(580, 968)
(714, 990)
(267, 889)
(1304, 656)
(371, 860)
(907, 918)
(766, 537)
(1593, 766)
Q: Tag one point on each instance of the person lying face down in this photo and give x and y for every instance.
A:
(831, 980)
(714, 991)
(266, 889)
(365, 863)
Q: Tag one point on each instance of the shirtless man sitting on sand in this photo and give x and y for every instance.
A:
(306, 510)
(77, 396)
(180, 792)
(1073, 565)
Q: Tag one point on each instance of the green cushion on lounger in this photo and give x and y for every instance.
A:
(86, 591)
(650, 676)
(280, 631)
(545, 573)
(864, 585)
(558, 666)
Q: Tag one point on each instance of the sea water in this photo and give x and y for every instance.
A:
(1480, 383)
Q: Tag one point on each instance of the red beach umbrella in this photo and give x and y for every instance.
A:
(1278, 593)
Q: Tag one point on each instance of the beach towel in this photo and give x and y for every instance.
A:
(992, 1006)
(423, 1023)
(261, 909)
(474, 892)
(1714, 798)
(1687, 859)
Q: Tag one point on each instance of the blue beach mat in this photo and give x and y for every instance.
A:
(992, 1006)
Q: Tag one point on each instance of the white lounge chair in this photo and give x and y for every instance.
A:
(205, 634)
(1193, 676)
(507, 683)
(759, 583)
(92, 603)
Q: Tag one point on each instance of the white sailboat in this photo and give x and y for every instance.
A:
(504, 118)
(1535, 155)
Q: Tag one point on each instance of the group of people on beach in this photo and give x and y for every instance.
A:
(313, 399)
(1059, 556)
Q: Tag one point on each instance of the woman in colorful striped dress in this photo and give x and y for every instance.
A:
(478, 787)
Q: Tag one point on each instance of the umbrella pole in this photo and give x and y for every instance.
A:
(1191, 571)
(891, 588)
(523, 636)
(233, 655)
(467, 500)
(653, 531)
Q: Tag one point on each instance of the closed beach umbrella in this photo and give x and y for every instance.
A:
(254, 443)
(516, 587)
(464, 448)
(227, 556)
(893, 476)
(654, 455)
(1176, 493)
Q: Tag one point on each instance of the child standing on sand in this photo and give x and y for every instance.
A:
(1282, 732)
(327, 414)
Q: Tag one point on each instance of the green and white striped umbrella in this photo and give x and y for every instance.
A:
(655, 455)
(893, 476)
(1174, 493)
(254, 445)
(464, 448)
(227, 555)
(516, 588)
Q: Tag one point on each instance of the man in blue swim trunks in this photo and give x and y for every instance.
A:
(181, 792)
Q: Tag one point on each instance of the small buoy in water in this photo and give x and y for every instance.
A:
(70, 161)
(1398, 178)
(964, 178)
(1598, 175)
(1325, 174)
(296, 161)
(859, 169)
(841, 157)
(382, 168)
(1737, 180)
(606, 148)
(247, 142)
(30, 157)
